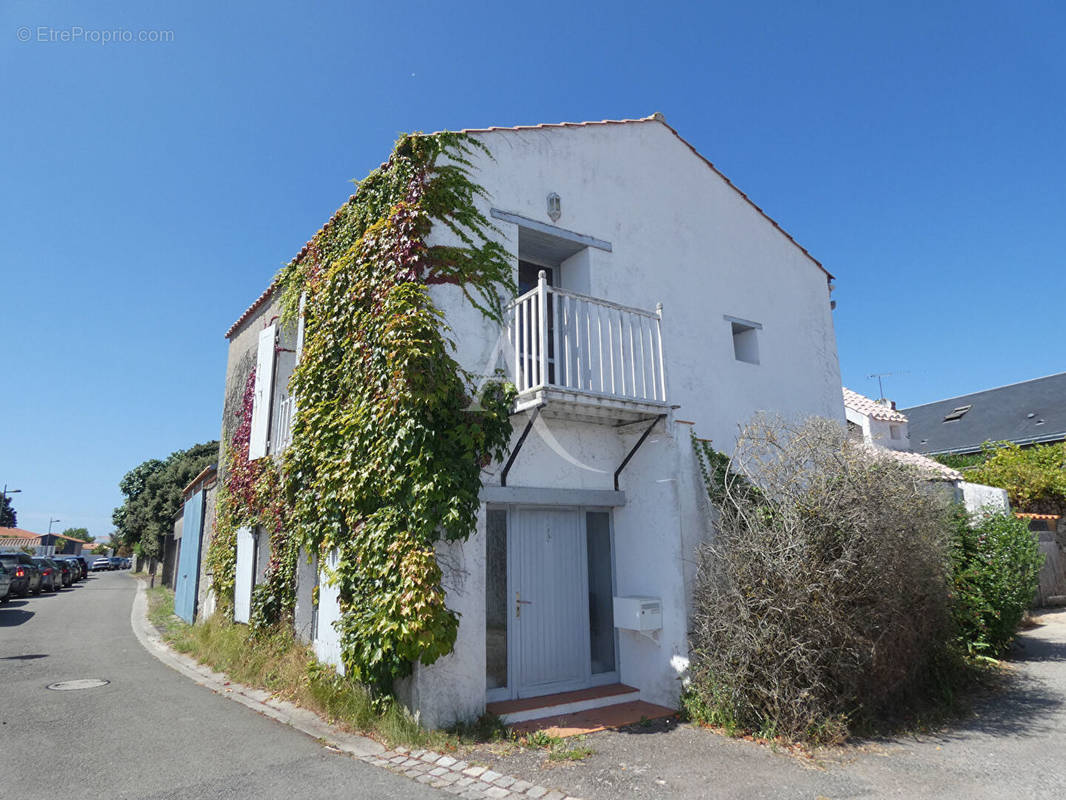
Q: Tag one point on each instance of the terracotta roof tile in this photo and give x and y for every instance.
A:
(871, 408)
(933, 470)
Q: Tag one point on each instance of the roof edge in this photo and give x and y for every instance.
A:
(991, 389)
(656, 117)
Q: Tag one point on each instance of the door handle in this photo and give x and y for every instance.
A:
(518, 603)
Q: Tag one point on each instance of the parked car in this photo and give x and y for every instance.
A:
(66, 570)
(5, 584)
(116, 562)
(75, 566)
(126, 563)
(101, 562)
(83, 564)
(26, 577)
(51, 576)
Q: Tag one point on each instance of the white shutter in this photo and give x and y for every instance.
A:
(264, 394)
(244, 576)
(300, 327)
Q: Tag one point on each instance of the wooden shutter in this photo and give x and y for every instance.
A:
(264, 394)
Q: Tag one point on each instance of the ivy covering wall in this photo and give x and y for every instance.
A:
(390, 434)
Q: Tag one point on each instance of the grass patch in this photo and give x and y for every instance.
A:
(559, 749)
(277, 662)
(161, 611)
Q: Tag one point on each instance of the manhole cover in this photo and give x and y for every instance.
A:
(81, 683)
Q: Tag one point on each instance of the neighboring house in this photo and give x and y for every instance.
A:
(1026, 413)
(182, 550)
(878, 424)
(18, 539)
(579, 574)
(43, 542)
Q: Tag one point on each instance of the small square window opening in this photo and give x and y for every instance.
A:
(745, 342)
(894, 431)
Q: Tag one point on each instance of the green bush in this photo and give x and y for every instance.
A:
(997, 564)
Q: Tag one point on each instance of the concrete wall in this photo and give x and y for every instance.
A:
(240, 361)
(306, 579)
(977, 496)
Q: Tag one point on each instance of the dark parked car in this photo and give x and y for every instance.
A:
(66, 570)
(25, 576)
(75, 567)
(5, 584)
(83, 564)
(51, 576)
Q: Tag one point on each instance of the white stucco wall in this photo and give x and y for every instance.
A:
(879, 432)
(303, 613)
(683, 237)
(977, 496)
(680, 235)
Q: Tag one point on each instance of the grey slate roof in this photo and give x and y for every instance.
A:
(1025, 413)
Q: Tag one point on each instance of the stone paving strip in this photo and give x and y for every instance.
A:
(458, 777)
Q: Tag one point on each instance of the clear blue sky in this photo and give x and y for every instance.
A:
(151, 190)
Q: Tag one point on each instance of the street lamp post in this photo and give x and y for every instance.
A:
(50, 521)
(5, 493)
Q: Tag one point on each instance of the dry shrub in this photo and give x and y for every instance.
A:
(823, 599)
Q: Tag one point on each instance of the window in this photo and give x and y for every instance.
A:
(496, 605)
(957, 413)
(745, 339)
(894, 432)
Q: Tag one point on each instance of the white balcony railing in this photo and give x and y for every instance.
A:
(563, 340)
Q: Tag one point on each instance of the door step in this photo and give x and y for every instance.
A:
(554, 705)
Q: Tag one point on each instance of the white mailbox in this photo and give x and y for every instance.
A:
(638, 613)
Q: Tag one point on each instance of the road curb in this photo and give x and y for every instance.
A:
(307, 722)
(439, 771)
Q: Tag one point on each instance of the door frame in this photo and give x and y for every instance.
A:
(512, 690)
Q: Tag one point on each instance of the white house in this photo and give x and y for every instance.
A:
(878, 424)
(656, 300)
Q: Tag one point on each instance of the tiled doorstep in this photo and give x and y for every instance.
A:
(458, 777)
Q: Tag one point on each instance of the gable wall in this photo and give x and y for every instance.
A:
(682, 236)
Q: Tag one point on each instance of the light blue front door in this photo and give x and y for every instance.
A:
(189, 558)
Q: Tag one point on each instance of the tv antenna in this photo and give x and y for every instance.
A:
(880, 380)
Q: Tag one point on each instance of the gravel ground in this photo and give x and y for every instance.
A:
(1012, 744)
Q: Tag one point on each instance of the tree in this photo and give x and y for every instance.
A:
(79, 533)
(8, 517)
(1034, 477)
(153, 496)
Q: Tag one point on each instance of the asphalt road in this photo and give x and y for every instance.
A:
(150, 732)
(1011, 745)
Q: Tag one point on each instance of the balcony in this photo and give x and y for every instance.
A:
(585, 358)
